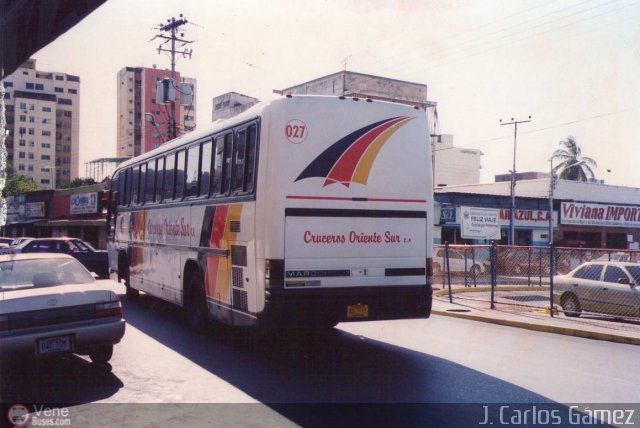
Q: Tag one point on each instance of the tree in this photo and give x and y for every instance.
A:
(17, 184)
(572, 165)
(78, 182)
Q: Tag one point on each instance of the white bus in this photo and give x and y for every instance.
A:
(300, 211)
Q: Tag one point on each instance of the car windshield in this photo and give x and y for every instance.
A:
(81, 246)
(39, 273)
(634, 270)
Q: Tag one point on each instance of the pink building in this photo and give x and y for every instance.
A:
(137, 104)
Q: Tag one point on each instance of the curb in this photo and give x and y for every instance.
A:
(567, 331)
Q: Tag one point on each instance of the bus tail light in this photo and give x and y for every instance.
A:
(429, 266)
(274, 269)
(109, 309)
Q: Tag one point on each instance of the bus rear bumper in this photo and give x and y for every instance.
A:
(333, 305)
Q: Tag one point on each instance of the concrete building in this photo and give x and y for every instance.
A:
(230, 104)
(591, 214)
(454, 165)
(136, 98)
(359, 85)
(43, 122)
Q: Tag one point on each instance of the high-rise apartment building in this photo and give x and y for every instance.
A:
(144, 123)
(43, 123)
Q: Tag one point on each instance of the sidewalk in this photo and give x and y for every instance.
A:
(474, 305)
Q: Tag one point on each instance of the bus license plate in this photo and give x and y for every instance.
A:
(357, 311)
(52, 345)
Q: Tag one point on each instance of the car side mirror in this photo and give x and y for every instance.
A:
(623, 281)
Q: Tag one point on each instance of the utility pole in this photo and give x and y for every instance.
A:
(513, 177)
(170, 37)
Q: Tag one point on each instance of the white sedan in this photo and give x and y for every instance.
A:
(601, 287)
(51, 305)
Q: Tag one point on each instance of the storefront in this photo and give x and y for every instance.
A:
(589, 215)
(77, 212)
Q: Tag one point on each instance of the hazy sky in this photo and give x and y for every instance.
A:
(573, 65)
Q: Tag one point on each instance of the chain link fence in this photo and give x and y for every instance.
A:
(572, 281)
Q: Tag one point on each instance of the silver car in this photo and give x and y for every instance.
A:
(601, 287)
(50, 305)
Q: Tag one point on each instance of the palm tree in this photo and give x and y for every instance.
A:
(572, 165)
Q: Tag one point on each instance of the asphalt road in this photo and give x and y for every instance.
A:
(279, 379)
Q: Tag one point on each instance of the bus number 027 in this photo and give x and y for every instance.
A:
(296, 131)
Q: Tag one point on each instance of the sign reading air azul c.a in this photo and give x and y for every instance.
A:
(350, 159)
(480, 223)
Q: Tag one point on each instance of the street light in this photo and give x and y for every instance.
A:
(149, 118)
(513, 177)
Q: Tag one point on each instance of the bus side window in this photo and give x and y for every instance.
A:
(150, 181)
(169, 176)
(205, 168)
(180, 173)
(192, 171)
(227, 167)
(218, 166)
(252, 148)
(238, 160)
(160, 179)
(141, 185)
(127, 188)
(135, 183)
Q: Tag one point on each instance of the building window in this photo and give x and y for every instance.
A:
(72, 91)
(39, 87)
(59, 90)
(45, 157)
(23, 106)
(20, 167)
(8, 84)
(30, 85)
(59, 77)
(22, 143)
(30, 156)
(21, 155)
(46, 133)
(65, 101)
(46, 109)
(30, 168)
(23, 118)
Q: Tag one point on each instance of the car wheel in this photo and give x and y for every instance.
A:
(571, 306)
(101, 354)
(196, 303)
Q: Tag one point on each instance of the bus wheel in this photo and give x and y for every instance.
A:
(195, 303)
(123, 274)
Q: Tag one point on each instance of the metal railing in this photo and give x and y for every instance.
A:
(535, 278)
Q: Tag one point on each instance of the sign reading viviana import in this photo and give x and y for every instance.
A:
(480, 223)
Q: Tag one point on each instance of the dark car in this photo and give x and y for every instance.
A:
(94, 260)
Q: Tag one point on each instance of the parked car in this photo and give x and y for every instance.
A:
(51, 305)
(523, 262)
(460, 261)
(94, 260)
(601, 287)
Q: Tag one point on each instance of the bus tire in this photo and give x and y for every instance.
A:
(195, 304)
(123, 274)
